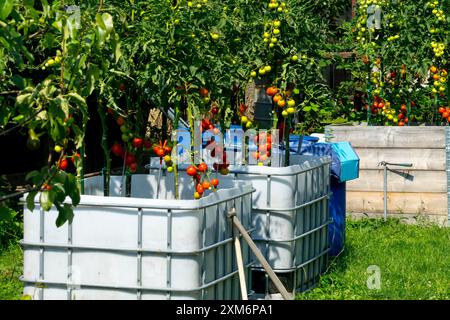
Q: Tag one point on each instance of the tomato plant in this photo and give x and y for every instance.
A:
(402, 58)
(52, 59)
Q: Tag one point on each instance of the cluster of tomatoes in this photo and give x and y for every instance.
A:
(246, 123)
(133, 142)
(445, 113)
(439, 79)
(264, 143)
(163, 151)
(279, 7)
(438, 13)
(383, 107)
(196, 4)
(378, 105)
(130, 159)
(200, 175)
(55, 61)
(282, 100)
(403, 115)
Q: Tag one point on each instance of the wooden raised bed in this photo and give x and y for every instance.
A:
(425, 147)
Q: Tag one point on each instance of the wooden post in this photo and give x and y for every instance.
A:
(240, 264)
(276, 281)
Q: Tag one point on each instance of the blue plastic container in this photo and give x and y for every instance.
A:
(344, 167)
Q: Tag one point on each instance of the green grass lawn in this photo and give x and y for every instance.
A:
(414, 262)
(11, 262)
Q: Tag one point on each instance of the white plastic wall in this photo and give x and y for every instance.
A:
(100, 252)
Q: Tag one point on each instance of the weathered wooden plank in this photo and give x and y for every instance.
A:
(422, 159)
(398, 203)
(423, 181)
(390, 137)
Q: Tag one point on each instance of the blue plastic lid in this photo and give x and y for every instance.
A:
(294, 137)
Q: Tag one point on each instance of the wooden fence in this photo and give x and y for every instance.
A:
(425, 195)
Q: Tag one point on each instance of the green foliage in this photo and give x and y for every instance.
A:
(53, 59)
(413, 260)
(393, 63)
(11, 259)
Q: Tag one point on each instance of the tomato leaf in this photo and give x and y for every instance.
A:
(32, 174)
(65, 214)
(5, 8)
(30, 200)
(46, 200)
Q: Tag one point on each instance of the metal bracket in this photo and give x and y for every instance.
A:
(403, 174)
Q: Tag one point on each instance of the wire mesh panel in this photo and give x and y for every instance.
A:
(291, 217)
(141, 247)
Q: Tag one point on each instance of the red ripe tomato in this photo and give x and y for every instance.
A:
(448, 119)
(242, 108)
(117, 149)
(130, 159)
(202, 167)
(401, 124)
(198, 177)
(401, 116)
(215, 110)
(446, 114)
(375, 104)
(441, 110)
(63, 164)
(269, 140)
(381, 105)
(160, 152)
(215, 182)
(137, 142)
(206, 185)
(191, 171)
(271, 91)
(204, 92)
(403, 108)
(200, 189)
(133, 167)
(406, 120)
(413, 103)
(205, 124)
(47, 187)
(120, 121)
